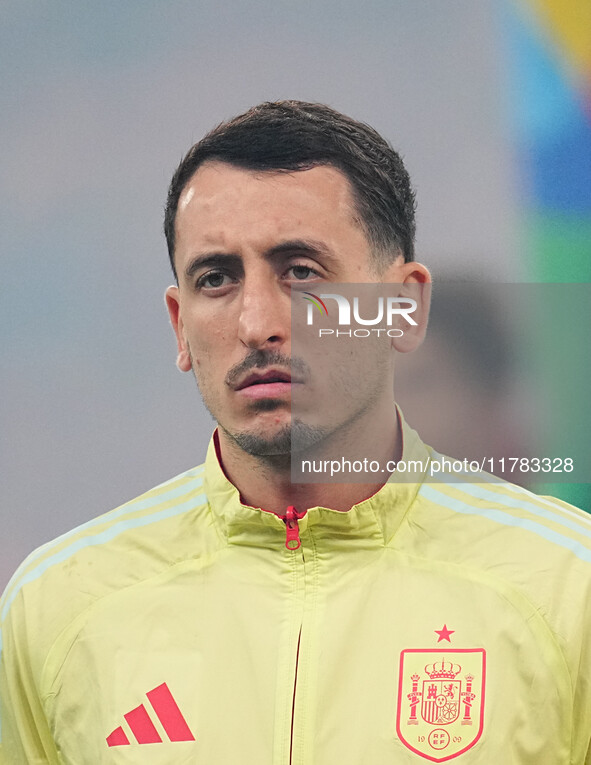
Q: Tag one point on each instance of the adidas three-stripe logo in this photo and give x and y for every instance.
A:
(142, 726)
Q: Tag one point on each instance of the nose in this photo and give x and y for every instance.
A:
(265, 315)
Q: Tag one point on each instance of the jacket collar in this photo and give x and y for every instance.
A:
(373, 521)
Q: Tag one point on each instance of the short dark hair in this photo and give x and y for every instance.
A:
(296, 135)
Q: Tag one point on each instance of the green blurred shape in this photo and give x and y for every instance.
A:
(560, 246)
(560, 256)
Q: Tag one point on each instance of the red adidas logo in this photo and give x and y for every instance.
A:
(143, 728)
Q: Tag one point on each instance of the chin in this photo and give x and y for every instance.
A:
(269, 405)
(264, 444)
(289, 438)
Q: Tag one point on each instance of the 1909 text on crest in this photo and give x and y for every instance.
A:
(441, 700)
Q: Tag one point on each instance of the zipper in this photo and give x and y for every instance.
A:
(293, 542)
(295, 684)
(292, 530)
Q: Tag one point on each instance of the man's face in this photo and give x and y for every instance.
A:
(243, 240)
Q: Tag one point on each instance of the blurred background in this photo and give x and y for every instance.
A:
(489, 103)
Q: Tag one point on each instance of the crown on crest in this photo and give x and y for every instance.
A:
(442, 670)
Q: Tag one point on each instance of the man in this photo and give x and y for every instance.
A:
(230, 615)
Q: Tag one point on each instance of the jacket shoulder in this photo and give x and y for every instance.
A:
(536, 545)
(137, 540)
(518, 517)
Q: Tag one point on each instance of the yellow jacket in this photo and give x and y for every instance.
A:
(431, 622)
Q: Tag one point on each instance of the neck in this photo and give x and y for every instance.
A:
(268, 483)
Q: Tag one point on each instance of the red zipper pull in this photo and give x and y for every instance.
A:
(292, 531)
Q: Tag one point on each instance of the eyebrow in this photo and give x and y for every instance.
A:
(310, 246)
(291, 246)
(210, 260)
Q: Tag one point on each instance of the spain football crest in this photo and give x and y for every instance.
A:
(441, 700)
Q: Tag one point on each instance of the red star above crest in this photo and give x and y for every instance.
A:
(444, 634)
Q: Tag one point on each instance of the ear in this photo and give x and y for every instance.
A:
(172, 299)
(413, 282)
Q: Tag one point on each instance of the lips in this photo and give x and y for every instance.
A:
(264, 378)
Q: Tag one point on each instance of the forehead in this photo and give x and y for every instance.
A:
(227, 206)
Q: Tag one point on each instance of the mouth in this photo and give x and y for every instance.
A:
(271, 383)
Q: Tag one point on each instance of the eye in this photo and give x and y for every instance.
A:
(301, 272)
(213, 280)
